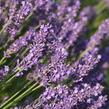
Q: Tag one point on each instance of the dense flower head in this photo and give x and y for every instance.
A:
(63, 97)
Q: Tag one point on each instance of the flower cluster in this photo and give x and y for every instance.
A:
(63, 97)
(4, 71)
(45, 42)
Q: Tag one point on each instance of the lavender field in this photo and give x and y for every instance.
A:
(54, 54)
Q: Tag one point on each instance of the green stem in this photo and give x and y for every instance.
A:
(36, 98)
(22, 95)
(14, 75)
(1, 61)
(22, 53)
(83, 53)
(15, 94)
(2, 30)
(7, 24)
(10, 79)
(25, 52)
(11, 19)
(101, 6)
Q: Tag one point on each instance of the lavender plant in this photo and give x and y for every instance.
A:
(54, 54)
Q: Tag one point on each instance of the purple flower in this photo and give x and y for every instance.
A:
(98, 103)
(36, 49)
(4, 72)
(21, 42)
(63, 97)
